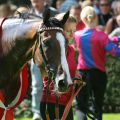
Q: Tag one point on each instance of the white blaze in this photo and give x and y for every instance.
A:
(64, 64)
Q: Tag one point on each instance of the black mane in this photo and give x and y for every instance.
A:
(53, 22)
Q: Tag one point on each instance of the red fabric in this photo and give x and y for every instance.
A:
(9, 114)
(63, 99)
(24, 85)
(80, 26)
(71, 60)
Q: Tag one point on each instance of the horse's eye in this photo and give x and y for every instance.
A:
(47, 43)
(47, 39)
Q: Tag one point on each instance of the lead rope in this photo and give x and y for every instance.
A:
(46, 105)
(57, 107)
(50, 77)
(75, 91)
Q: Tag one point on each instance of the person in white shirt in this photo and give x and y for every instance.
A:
(38, 8)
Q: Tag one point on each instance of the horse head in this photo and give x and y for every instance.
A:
(52, 50)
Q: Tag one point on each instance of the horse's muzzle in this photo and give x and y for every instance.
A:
(61, 83)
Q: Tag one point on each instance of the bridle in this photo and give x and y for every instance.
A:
(50, 71)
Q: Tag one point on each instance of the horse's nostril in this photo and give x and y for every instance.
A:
(62, 86)
(61, 83)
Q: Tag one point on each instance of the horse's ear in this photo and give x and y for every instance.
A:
(65, 17)
(46, 15)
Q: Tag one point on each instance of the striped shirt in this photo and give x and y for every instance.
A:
(92, 46)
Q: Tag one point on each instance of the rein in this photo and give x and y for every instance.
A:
(77, 86)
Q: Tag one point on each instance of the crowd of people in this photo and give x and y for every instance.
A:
(91, 32)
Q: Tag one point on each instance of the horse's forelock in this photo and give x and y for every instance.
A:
(53, 22)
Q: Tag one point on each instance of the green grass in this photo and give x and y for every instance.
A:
(105, 117)
(111, 116)
(23, 118)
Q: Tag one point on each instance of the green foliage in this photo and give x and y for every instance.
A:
(112, 96)
(111, 116)
(24, 109)
(23, 118)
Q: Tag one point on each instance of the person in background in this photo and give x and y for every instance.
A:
(66, 5)
(21, 9)
(38, 7)
(104, 15)
(92, 46)
(86, 3)
(75, 11)
(56, 4)
(115, 32)
(69, 29)
(49, 2)
(36, 90)
(96, 6)
(7, 10)
(114, 22)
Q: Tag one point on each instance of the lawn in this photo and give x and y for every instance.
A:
(111, 116)
(105, 117)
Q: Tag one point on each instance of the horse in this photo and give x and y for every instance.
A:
(21, 39)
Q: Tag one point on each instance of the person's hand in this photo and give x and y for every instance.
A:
(78, 80)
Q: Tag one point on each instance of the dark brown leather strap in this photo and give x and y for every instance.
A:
(47, 115)
(75, 91)
(57, 108)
